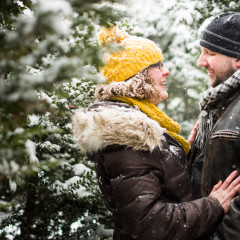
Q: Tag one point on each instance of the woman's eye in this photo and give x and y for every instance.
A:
(160, 66)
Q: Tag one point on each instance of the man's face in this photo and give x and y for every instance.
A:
(219, 67)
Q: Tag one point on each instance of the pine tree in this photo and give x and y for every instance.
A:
(49, 56)
(208, 9)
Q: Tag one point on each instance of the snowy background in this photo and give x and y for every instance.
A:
(49, 60)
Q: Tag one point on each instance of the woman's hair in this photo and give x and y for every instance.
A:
(140, 86)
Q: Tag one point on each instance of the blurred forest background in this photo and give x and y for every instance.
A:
(49, 60)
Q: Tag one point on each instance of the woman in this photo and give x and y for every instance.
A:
(140, 157)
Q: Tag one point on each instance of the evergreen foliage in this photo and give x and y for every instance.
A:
(207, 9)
(49, 58)
(49, 54)
(10, 10)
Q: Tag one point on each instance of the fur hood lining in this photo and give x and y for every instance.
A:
(95, 130)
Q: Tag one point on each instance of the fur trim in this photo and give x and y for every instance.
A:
(95, 130)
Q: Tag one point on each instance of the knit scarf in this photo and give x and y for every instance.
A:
(156, 114)
(209, 112)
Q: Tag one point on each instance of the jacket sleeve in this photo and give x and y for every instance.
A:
(229, 228)
(141, 205)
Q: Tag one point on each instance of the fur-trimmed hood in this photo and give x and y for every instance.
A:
(109, 123)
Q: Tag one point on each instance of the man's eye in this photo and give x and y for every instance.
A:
(211, 54)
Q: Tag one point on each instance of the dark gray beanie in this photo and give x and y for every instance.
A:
(222, 35)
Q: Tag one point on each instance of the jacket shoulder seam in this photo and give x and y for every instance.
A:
(226, 134)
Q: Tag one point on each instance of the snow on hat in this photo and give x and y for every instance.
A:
(138, 54)
(222, 35)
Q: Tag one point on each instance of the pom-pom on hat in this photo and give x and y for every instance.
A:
(222, 35)
(138, 54)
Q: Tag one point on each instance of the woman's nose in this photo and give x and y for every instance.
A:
(165, 72)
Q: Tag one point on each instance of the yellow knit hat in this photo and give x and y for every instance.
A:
(138, 54)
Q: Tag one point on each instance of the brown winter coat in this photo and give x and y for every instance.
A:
(143, 175)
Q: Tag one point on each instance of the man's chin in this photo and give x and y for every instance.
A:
(216, 82)
(212, 82)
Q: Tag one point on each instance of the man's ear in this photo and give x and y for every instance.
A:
(238, 62)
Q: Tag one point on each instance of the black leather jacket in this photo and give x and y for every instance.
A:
(220, 157)
(228, 119)
(222, 154)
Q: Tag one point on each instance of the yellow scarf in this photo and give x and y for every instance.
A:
(156, 114)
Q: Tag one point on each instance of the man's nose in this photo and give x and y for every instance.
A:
(202, 61)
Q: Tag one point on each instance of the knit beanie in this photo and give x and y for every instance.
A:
(222, 35)
(138, 53)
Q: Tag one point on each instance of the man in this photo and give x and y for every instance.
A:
(216, 150)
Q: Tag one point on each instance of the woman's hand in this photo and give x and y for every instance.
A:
(224, 192)
(193, 134)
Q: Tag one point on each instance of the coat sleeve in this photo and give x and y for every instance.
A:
(229, 228)
(141, 207)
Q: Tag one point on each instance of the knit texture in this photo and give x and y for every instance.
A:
(137, 54)
(156, 114)
(209, 114)
(222, 35)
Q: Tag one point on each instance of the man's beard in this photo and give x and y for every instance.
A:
(221, 79)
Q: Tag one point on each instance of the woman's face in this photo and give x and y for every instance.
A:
(158, 76)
